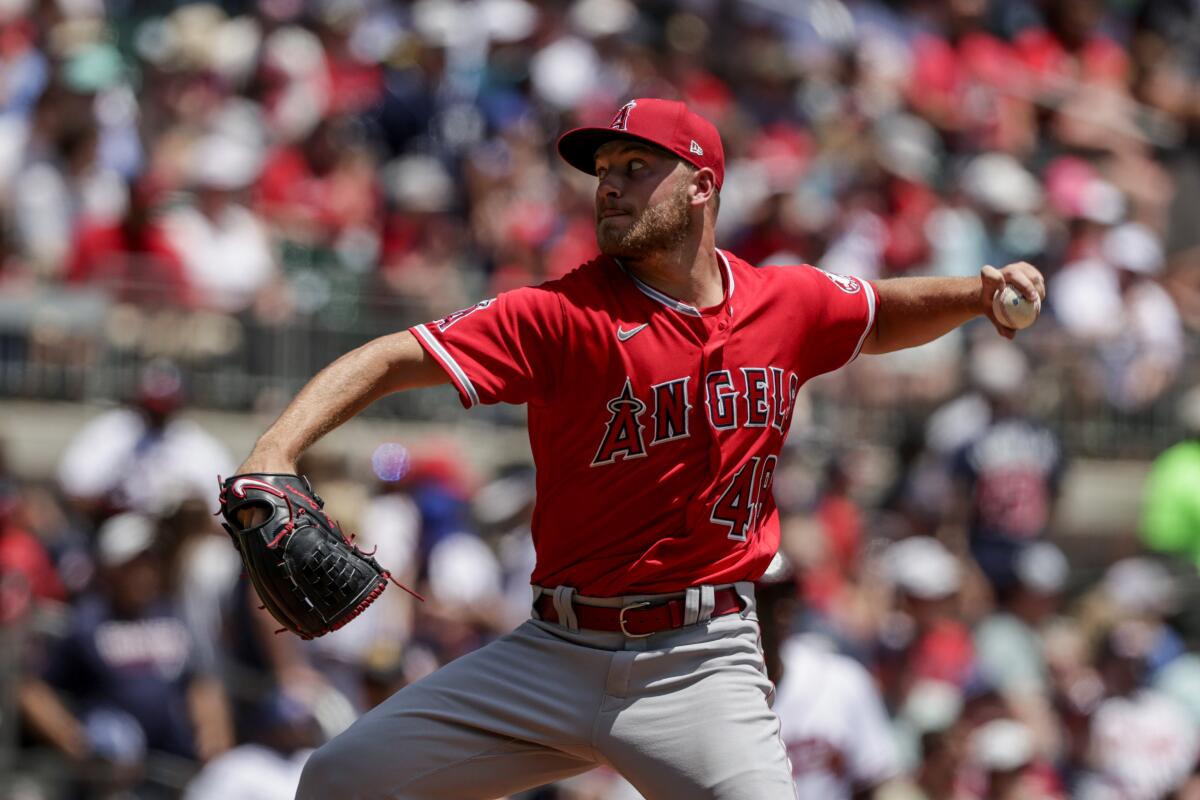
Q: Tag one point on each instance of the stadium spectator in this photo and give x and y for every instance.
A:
(61, 184)
(224, 247)
(1008, 642)
(277, 738)
(1114, 302)
(319, 173)
(929, 726)
(1008, 471)
(832, 719)
(923, 637)
(132, 257)
(322, 199)
(143, 455)
(1005, 756)
(27, 574)
(126, 676)
(1142, 744)
(1142, 590)
(827, 578)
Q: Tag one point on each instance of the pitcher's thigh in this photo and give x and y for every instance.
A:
(490, 723)
(414, 758)
(715, 738)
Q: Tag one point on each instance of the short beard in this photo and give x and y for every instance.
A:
(660, 228)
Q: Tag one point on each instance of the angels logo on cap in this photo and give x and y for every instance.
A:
(620, 120)
(668, 124)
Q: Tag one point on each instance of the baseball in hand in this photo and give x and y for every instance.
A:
(1012, 309)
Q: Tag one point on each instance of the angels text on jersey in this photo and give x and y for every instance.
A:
(749, 397)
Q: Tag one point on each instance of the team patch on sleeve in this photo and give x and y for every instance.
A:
(448, 320)
(847, 283)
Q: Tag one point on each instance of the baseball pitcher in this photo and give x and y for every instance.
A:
(661, 378)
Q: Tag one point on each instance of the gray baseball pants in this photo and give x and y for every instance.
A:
(680, 714)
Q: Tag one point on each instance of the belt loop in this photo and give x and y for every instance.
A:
(691, 606)
(564, 607)
(708, 601)
(745, 590)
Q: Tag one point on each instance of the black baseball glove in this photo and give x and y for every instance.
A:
(308, 574)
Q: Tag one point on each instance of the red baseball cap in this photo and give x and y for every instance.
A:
(665, 123)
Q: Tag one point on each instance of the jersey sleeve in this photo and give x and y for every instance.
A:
(503, 350)
(840, 313)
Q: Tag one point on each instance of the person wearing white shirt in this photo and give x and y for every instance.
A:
(833, 722)
(1115, 303)
(143, 457)
(225, 247)
(832, 719)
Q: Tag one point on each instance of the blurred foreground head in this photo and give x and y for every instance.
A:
(777, 600)
(131, 570)
(1000, 370)
(159, 392)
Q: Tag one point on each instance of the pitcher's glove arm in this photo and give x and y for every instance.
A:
(308, 574)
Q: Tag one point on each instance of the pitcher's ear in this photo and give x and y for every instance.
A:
(703, 186)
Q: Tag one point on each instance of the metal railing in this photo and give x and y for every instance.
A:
(84, 345)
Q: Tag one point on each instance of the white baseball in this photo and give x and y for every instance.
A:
(1013, 310)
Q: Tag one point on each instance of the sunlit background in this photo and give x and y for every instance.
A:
(201, 204)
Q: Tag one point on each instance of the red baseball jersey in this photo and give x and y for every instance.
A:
(655, 426)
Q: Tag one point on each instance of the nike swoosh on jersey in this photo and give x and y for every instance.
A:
(625, 336)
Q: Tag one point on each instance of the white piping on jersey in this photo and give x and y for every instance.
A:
(671, 302)
(460, 376)
(870, 293)
(729, 272)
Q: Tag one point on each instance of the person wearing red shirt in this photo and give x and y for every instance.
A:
(660, 379)
(321, 189)
(27, 573)
(133, 258)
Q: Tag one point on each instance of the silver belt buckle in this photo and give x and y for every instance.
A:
(621, 619)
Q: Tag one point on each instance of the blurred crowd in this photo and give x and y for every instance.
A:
(276, 161)
(927, 634)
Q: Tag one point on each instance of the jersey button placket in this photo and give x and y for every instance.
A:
(713, 358)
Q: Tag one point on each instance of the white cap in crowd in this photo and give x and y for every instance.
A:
(932, 705)
(1002, 745)
(1042, 567)
(223, 163)
(1134, 247)
(504, 498)
(463, 570)
(999, 183)
(1139, 586)
(124, 537)
(998, 367)
(921, 566)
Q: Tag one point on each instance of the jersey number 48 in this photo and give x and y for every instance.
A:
(739, 506)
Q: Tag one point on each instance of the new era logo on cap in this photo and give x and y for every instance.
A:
(668, 124)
